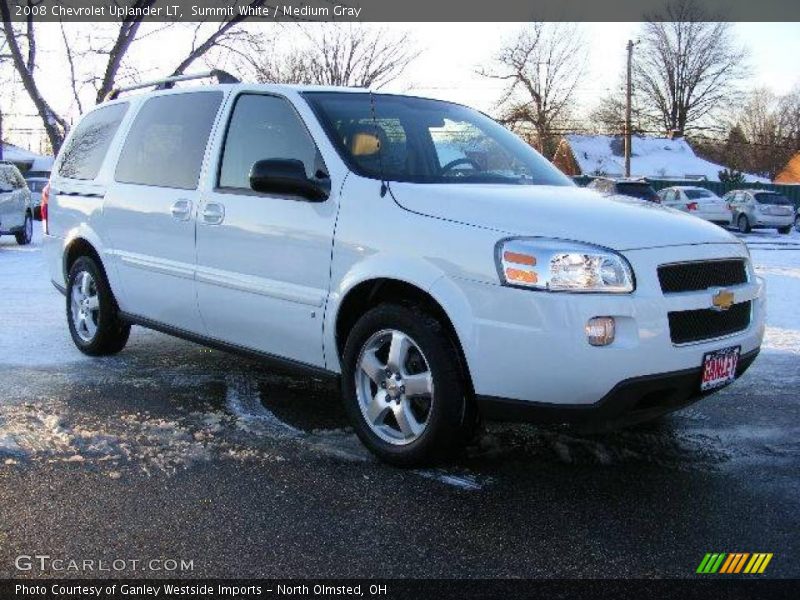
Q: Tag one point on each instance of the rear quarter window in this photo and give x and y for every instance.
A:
(167, 140)
(86, 149)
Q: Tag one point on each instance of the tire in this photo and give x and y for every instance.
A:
(407, 430)
(743, 224)
(785, 230)
(92, 311)
(797, 223)
(25, 235)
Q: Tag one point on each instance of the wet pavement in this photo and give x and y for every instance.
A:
(170, 450)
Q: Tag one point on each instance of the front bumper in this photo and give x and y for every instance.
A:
(531, 347)
(631, 401)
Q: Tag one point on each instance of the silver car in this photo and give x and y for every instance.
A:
(697, 201)
(758, 209)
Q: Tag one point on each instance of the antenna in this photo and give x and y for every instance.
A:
(384, 182)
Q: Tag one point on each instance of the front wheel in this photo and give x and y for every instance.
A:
(25, 235)
(402, 386)
(92, 311)
(785, 230)
(744, 224)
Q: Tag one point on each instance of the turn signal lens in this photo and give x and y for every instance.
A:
(519, 258)
(520, 276)
(600, 331)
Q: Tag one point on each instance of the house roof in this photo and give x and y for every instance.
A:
(15, 154)
(658, 158)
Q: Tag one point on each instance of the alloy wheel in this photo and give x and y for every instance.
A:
(394, 387)
(85, 306)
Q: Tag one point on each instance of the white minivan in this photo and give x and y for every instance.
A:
(413, 249)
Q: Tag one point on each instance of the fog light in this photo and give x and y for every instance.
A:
(600, 331)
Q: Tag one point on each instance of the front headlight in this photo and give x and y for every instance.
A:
(562, 266)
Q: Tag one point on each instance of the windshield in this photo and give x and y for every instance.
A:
(697, 194)
(638, 190)
(774, 199)
(427, 141)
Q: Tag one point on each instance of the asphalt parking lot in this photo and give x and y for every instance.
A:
(173, 451)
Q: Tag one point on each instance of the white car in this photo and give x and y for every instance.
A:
(16, 213)
(697, 201)
(322, 228)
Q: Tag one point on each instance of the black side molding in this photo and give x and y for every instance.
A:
(288, 364)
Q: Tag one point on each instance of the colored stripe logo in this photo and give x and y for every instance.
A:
(734, 562)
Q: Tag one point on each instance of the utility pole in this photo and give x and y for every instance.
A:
(628, 112)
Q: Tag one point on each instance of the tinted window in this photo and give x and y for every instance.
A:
(775, 199)
(167, 140)
(637, 190)
(697, 194)
(264, 127)
(401, 138)
(84, 154)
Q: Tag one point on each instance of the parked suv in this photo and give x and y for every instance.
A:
(414, 249)
(757, 209)
(16, 214)
(631, 187)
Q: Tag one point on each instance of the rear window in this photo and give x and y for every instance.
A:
(638, 190)
(774, 199)
(167, 141)
(86, 149)
(36, 186)
(697, 194)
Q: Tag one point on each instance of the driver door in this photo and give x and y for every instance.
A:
(263, 260)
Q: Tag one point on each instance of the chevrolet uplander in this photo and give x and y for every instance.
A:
(420, 253)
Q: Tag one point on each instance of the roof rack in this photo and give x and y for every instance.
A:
(168, 82)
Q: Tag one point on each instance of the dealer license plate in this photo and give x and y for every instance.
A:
(719, 368)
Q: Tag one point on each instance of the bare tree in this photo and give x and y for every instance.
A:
(770, 126)
(22, 45)
(346, 54)
(542, 67)
(686, 68)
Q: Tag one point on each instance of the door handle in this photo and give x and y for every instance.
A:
(213, 213)
(182, 210)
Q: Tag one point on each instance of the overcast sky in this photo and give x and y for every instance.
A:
(446, 69)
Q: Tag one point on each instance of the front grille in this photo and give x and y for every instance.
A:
(701, 275)
(696, 325)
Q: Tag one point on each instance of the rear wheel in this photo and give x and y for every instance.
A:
(402, 386)
(92, 311)
(743, 224)
(785, 230)
(25, 235)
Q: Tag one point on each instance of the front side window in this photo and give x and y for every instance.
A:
(400, 138)
(263, 128)
(167, 140)
(83, 156)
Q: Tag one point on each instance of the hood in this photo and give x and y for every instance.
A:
(563, 212)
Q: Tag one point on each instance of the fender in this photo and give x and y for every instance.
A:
(89, 235)
(417, 272)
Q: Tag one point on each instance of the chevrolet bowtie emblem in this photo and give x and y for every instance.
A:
(722, 300)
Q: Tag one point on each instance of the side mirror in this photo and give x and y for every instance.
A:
(287, 176)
